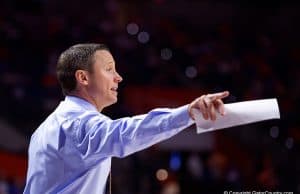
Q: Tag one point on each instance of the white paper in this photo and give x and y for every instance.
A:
(239, 113)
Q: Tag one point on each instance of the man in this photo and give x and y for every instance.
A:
(71, 150)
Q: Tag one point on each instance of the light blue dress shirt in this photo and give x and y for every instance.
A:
(71, 150)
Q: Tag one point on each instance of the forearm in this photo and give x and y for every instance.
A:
(156, 126)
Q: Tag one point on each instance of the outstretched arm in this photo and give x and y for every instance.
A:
(104, 137)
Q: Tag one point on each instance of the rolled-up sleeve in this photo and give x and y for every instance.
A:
(98, 135)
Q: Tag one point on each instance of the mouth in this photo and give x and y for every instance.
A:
(115, 89)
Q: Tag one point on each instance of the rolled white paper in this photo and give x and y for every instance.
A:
(239, 113)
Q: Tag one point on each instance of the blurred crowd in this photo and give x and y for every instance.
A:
(250, 49)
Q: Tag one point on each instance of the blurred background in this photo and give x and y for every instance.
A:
(168, 52)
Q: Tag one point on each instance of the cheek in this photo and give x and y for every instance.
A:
(103, 85)
(102, 81)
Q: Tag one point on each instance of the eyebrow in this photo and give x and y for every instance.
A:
(111, 63)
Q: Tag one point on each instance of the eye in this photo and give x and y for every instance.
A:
(109, 69)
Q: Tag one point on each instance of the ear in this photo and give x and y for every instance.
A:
(82, 77)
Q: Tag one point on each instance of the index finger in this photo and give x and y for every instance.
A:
(218, 95)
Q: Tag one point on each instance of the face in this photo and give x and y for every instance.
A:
(103, 82)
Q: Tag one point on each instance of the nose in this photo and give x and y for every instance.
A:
(118, 78)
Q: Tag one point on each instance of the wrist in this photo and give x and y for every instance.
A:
(190, 111)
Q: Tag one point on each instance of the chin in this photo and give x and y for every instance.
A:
(113, 101)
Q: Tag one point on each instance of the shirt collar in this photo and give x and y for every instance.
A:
(81, 102)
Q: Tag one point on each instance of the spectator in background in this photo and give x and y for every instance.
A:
(71, 150)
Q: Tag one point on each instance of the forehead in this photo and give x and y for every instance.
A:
(103, 56)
